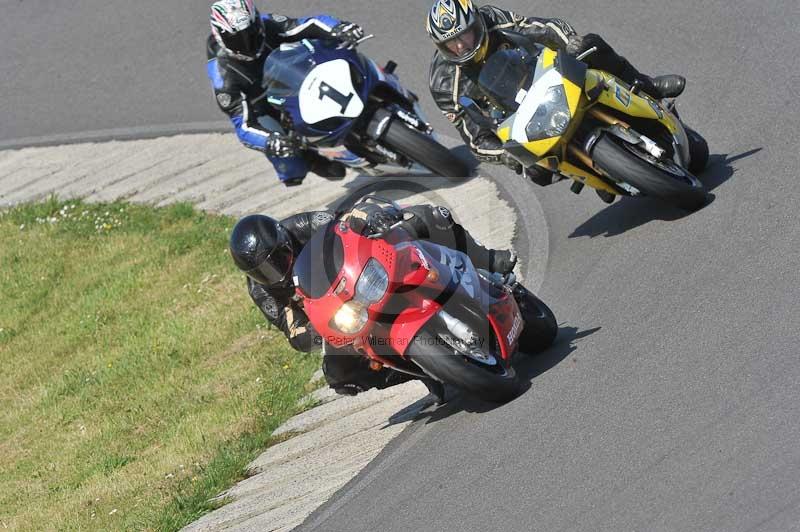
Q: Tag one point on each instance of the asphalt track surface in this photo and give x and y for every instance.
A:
(671, 401)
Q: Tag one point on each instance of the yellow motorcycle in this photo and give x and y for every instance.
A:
(551, 110)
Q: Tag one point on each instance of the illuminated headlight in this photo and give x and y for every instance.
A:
(351, 318)
(373, 283)
(551, 118)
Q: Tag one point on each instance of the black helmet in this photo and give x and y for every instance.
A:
(262, 248)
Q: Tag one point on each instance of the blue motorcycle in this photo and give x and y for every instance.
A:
(350, 110)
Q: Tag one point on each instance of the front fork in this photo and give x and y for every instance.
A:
(380, 122)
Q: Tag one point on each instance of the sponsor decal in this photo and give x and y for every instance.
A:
(241, 22)
(270, 308)
(453, 32)
(279, 18)
(623, 96)
(447, 22)
(445, 212)
(321, 218)
(224, 99)
(515, 329)
(408, 118)
(422, 258)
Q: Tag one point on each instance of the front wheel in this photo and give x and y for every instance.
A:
(541, 327)
(422, 148)
(659, 178)
(483, 373)
(698, 151)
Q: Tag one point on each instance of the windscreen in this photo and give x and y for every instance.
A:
(285, 69)
(505, 73)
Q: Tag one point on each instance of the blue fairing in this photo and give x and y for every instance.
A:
(285, 70)
(327, 20)
(289, 67)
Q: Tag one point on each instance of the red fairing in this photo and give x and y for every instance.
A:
(407, 304)
(404, 266)
(507, 322)
(409, 322)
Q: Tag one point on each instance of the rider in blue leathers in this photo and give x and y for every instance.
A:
(240, 41)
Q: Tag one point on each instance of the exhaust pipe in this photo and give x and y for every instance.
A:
(458, 328)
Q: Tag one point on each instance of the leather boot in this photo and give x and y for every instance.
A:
(328, 169)
(669, 86)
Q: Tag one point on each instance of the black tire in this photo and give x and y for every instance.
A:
(498, 384)
(630, 164)
(541, 327)
(423, 149)
(698, 151)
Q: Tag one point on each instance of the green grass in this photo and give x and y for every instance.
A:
(136, 377)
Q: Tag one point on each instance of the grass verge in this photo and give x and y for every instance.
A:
(137, 377)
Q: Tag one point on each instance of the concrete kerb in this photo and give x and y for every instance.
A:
(340, 436)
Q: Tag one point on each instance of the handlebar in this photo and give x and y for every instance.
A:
(351, 46)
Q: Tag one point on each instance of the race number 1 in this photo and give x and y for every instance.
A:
(327, 91)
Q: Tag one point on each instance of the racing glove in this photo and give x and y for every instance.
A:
(381, 219)
(348, 33)
(283, 145)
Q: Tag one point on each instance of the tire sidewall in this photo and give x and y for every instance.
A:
(439, 361)
(623, 164)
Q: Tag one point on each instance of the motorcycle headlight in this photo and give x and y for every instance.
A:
(373, 283)
(351, 317)
(551, 117)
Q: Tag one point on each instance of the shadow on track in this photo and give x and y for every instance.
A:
(528, 368)
(399, 185)
(628, 213)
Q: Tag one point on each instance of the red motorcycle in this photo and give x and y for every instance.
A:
(419, 307)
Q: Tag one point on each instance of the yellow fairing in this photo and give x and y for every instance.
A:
(541, 147)
(573, 93)
(548, 57)
(618, 97)
(578, 174)
(504, 133)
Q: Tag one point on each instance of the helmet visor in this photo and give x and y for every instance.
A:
(465, 45)
(277, 267)
(246, 42)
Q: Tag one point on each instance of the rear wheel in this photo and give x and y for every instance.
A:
(484, 373)
(423, 149)
(659, 178)
(541, 327)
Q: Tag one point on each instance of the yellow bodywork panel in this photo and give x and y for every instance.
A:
(548, 57)
(504, 133)
(573, 93)
(549, 163)
(578, 174)
(617, 96)
(541, 147)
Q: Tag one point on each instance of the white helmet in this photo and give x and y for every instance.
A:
(238, 28)
(458, 29)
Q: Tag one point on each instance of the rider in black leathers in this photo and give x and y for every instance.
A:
(265, 249)
(457, 65)
(241, 40)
